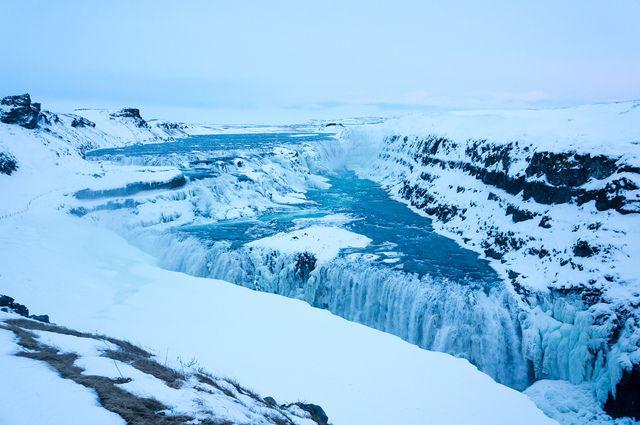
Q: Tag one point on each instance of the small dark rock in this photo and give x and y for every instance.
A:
(40, 317)
(583, 249)
(492, 253)
(545, 222)
(9, 304)
(512, 274)
(8, 163)
(79, 122)
(271, 402)
(317, 413)
(493, 197)
(518, 215)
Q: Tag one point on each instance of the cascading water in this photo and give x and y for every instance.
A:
(431, 293)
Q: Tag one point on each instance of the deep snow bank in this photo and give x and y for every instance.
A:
(551, 196)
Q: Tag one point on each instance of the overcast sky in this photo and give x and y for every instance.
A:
(253, 60)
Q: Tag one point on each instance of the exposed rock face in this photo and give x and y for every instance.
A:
(8, 304)
(132, 114)
(8, 163)
(549, 178)
(19, 110)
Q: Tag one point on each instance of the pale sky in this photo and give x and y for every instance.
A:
(261, 60)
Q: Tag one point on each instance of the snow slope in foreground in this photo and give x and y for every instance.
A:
(89, 278)
(49, 397)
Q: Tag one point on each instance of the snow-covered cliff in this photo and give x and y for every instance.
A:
(552, 198)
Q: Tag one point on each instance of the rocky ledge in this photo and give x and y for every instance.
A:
(21, 111)
(131, 114)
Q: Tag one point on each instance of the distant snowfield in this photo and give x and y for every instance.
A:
(95, 281)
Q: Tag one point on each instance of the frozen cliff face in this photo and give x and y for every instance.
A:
(552, 198)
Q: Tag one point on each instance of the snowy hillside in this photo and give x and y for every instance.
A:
(90, 279)
(63, 369)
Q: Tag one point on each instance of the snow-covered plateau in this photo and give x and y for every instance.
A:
(262, 252)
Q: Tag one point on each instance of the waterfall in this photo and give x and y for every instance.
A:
(472, 320)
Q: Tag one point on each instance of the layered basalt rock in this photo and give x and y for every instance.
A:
(549, 177)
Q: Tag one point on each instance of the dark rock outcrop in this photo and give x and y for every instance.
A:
(318, 414)
(80, 122)
(549, 178)
(132, 114)
(626, 403)
(8, 163)
(518, 215)
(8, 304)
(19, 110)
(583, 249)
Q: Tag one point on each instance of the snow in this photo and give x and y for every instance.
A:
(117, 177)
(327, 220)
(85, 347)
(95, 281)
(325, 242)
(563, 337)
(32, 393)
(608, 128)
(192, 397)
(571, 404)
